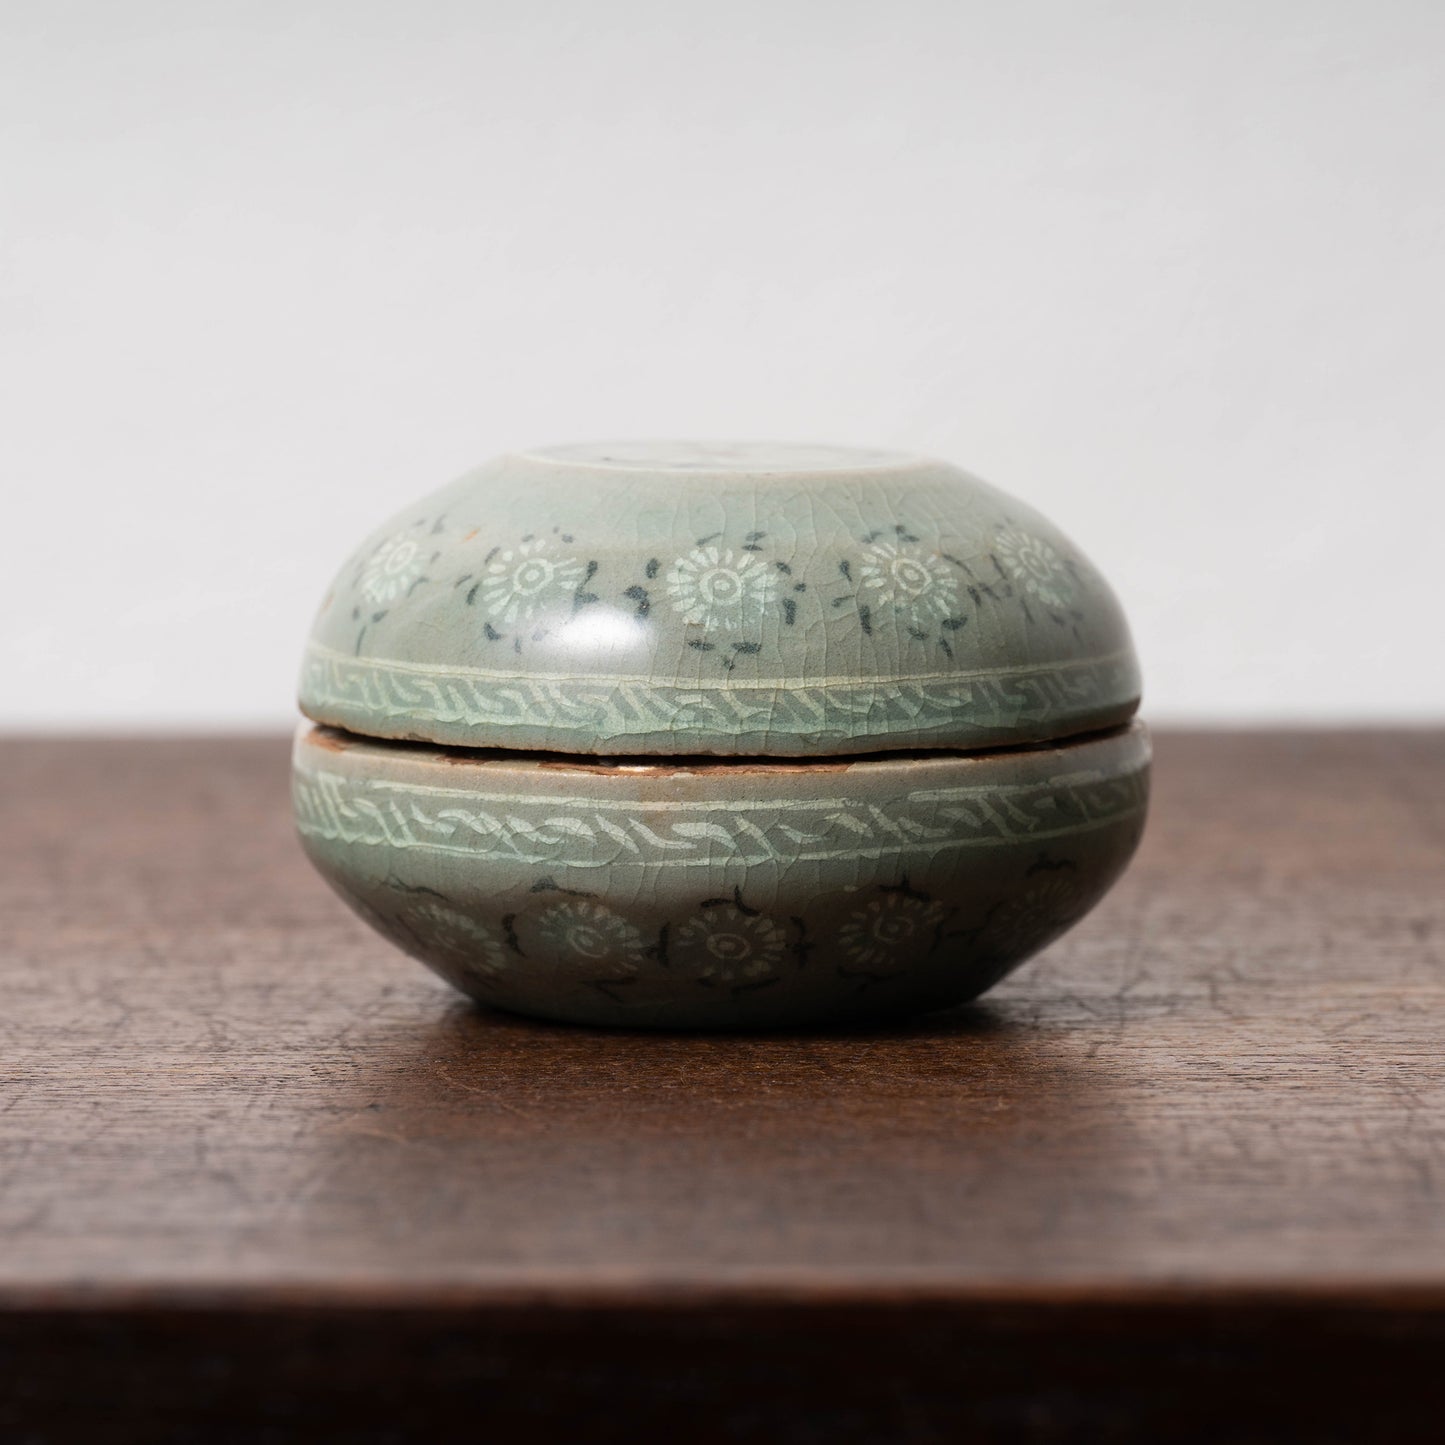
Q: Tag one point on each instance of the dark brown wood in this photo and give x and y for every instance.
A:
(1180, 1178)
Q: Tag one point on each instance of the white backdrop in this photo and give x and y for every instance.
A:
(1174, 272)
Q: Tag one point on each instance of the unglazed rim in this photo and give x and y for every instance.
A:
(420, 798)
(423, 751)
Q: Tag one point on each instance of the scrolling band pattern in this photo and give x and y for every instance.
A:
(532, 829)
(993, 704)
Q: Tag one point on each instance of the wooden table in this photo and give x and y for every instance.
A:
(261, 1178)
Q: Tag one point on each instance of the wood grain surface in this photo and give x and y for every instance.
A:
(261, 1177)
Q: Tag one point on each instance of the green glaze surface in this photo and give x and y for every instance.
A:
(745, 599)
(720, 894)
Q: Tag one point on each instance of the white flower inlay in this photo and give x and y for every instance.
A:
(918, 584)
(520, 581)
(1026, 922)
(725, 945)
(1034, 564)
(391, 570)
(459, 938)
(719, 588)
(589, 932)
(888, 926)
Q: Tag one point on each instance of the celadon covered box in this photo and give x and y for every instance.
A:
(720, 735)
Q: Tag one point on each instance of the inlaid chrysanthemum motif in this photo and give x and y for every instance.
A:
(918, 584)
(725, 944)
(519, 582)
(393, 568)
(583, 931)
(458, 938)
(888, 927)
(1034, 565)
(718, 587)
(1026, 922)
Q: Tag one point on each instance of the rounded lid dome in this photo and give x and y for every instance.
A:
(734, 598)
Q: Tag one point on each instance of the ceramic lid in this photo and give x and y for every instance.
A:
(734, 598)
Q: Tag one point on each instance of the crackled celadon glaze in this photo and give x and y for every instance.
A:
(720, 735)
(720, 894)
(731, 599)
